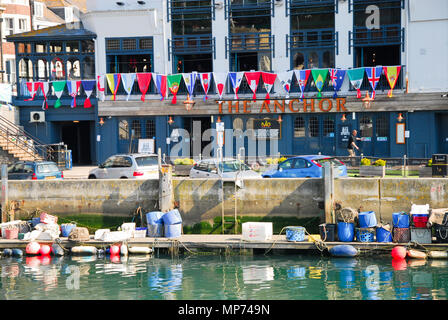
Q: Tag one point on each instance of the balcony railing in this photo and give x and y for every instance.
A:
(317, 38)
(25, 93)
(298, 7)
(182, 10)
(360, 5)
(191, 44)
(386, 35)
(252, 41)
(246, 9)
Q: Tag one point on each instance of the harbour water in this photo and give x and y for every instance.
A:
(205, 277)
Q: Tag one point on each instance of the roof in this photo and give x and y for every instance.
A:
(72, 31)
(80, 4)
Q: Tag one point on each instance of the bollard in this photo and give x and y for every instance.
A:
(328, 177)
(4, 192)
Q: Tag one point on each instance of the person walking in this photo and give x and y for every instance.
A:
(351, 144)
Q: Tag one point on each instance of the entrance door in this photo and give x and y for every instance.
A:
(374, 130)
(77, 135)
(314, 133)
(442, 120)
(196, 126)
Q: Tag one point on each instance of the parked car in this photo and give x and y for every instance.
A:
(127, 166)
(309, 166)
(34, 170)
(228, 168)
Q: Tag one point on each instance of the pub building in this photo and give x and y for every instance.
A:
(211, 38)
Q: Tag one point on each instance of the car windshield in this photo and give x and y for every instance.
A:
(232, 166)
(333, 161)
(146, 161)
(46, 168)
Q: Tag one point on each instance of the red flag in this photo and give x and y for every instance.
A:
(268, 80)
(144, 80)
(252, 79)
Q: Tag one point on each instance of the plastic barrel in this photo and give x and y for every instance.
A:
(173, 230)
(172, 217)
(35, 221)
(367, 219)
(155, 230)
(346, 231)
(295, 233)
(400, 220)
(66, 228)
(327, 231)
(382, 235)
(154, 217)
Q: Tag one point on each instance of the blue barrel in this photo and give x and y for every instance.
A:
(367, 219)
(365, 234)
(173, 230)
(346, 231)
(66, 228)
(35, 221)
(155, 230)
(382, 235)
(295, 233)
(172, 217)
(154, 217)
(400, 219)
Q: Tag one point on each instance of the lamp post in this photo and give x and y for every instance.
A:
(2, 9)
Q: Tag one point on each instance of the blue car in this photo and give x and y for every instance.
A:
(34, 170)
(306, 167)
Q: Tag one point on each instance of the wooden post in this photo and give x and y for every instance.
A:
(4, 192)
(165, 185)
(328, 177)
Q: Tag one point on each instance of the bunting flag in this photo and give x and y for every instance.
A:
(58, 87)
(128, 80)
(190, 82)
(374, 74)
(285, 79)
(45, 86)
(205, 81)
(101, 89)
(173, 85)
(144, 81)
(319, 76)
(302, 78)
(220, 82)
(337, 79)
(113, 79)
(356, 77)
(73, 89)
(88, 86)
(235, 79)
(268, 82)
(252, 79)
(161, 84)
(32, 87)
(392, 74)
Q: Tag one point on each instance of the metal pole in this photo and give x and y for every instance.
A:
(328, 179)
(4, 191)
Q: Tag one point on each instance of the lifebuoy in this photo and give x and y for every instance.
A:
(255, 166)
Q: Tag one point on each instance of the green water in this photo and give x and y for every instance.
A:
(259, 277)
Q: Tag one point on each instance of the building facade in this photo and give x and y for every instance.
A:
(130, 39)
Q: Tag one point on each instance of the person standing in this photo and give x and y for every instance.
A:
(351, 144)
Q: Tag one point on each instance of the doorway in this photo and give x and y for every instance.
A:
(191, 124)
(77, 135)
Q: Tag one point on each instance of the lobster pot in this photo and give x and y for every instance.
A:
(401, 235)
(295, 233)
(400, 219)
(327, 231)
(421, 235)
(365, 234)
(383, 235)
(367, 219)
(155, 230)
(441, 233)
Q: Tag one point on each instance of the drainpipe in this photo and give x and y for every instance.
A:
(31, 14)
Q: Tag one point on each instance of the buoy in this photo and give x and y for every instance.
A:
(114, 250)
(438, 254)
(7, 252)
(140, 250)
(415, 254)
(344, 250)
(32, 248)
(114, 258)
(84, 250)
(124, 250)
(45, 250)
(32, 262)
(45, 260)
(399, 264)
(398, 252)
(17, 253)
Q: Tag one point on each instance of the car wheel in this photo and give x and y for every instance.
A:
(92, 176)
(123, 177)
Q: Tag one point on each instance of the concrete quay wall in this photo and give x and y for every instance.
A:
(201, 199)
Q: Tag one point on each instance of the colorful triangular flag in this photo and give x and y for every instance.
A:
(220, 82)
(235, 79)
(144, 81)
(113, 79)
(285, 79)
(374, 74)
(356, 77)
(173, 81)
(58, 87)
(190, 81)
(392, 74)
(206, 78)
(337, 79)
(161, 84)
(73, 89)
(101, 89)
(319, 76)
(268, 82)
(252, 78)
(128, 80)
(88, 86)
(302, 78)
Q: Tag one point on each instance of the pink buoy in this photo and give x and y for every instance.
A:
(45, 250)
(399, 264)
(32, 248)
(114, 250)
(399, 252)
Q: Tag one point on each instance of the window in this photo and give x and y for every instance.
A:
(38, 9)
(287, 164)
(382, 126)
(129, 55)
(299, 127)
(328, 127)
(123, 130)
(47, 168)
(22, 25)
(146, 161)
(301, 164)
(314, 127)
(366, 126)
(150, 129)
(68, 14)
(9, 26)
(136, 129)
(122, 162)
(109, 163)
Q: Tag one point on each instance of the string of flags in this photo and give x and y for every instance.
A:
(171, 83)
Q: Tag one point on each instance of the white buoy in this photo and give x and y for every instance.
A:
(84, 250)
(438, 254)
(140, 250)
(124, 250)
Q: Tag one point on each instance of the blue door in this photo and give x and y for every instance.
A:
(314, 134)
(374, 131)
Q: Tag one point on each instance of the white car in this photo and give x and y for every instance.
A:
(127, 166)
(228, 169)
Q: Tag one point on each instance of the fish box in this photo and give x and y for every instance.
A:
(257, 231)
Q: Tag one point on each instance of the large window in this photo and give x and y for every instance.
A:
(129, 55)
(299, 127)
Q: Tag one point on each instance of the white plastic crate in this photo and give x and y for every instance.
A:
(257, 231)
(139, 233)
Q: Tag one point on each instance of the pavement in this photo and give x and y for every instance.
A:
(78, 172)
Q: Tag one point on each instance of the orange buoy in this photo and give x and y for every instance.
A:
(32, 248)
(398, 252)
(114, 250)
(45, 249)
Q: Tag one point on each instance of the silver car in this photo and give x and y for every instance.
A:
(228, 169)
(127, 166)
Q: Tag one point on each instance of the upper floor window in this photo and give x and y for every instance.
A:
(38, 9)
(23, 25)
(129, 55)
(9, 26)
